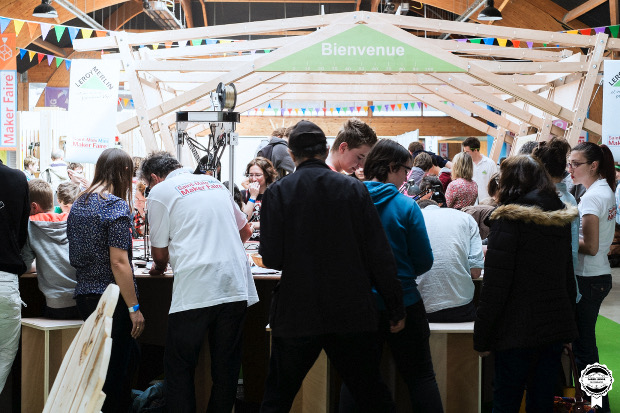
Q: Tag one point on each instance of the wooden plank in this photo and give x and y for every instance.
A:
(214, 49)
(613, 12)
(123, 15)
(530, 67)
(205, 65)
(22, 9)
(582, 9)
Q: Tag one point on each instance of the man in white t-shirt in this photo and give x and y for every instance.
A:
(484, 167)
(195, 223)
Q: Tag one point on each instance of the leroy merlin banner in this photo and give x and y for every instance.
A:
(93, 95)
(361, 49)
(8, 93)
(611, 106)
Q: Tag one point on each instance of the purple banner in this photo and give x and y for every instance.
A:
(57, 97)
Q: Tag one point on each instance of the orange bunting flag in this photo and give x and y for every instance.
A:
(516, 43)
(101, 33)
(32, 28)
(168, 45)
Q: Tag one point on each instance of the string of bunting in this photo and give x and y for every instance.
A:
(59, 29)
(32, 55)
(493, 41)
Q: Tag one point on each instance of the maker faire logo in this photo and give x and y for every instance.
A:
(5, 51)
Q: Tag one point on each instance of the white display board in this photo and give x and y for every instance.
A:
(611, 107)
(93, 95)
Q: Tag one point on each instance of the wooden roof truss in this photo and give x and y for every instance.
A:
(530, 87)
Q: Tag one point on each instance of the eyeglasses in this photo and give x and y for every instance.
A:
(575, 165)
(253, 175)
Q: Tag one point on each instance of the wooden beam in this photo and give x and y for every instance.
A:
(123, 14)
(382, 125)
(22, 9)
(53, 49)
(582, 9)
(187, 9)
(203, 5)
(613, 12)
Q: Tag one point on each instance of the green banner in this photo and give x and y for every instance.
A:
(361, 49)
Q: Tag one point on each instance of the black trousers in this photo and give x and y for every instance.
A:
(117, 386)
(354, 355)
(186, 332)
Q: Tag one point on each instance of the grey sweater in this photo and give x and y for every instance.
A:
(48, 244)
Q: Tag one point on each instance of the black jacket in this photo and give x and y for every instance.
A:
(322, 230)
(14, 213)
(528, 292)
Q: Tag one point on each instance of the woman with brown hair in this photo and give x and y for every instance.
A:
(527, 302)
(99, 232)
(261, 174)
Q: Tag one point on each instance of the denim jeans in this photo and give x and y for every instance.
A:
(117, 386)
(593, 292)
(535, 368)
(354, 356)
(10, 323)
(412, 356)
(186, 332)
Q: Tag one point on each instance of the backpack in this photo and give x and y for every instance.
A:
(267, 150)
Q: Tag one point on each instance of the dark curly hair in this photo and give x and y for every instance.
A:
(269, 171)
(553, 154)
(159, 163)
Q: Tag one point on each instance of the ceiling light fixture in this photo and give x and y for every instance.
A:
(45, 10)
(490, 13)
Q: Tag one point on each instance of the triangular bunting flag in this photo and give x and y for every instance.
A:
(599, 30)
(477, 41)
(400, 107)
(489, 41)
(544, 44)
(425, 105)
(392, 106)
(60, 30)
(4, 22)
(22, 52)
(45, 28)
(372, 108)
(182, 43)
(125, 101)
(275, 111)
(50, 58)
(303, 111)
(87, 33)
(378, 107)
(196, 42)
(31, 54)
(614, 30)
(572, 32)
(338, 110)
(289, 111)
(324, 111)
(296, 111)
(282, 112)
(461, 40)
(155, 46)
(365, 108)
(267, 50)
(317, 111)
(101, 33)
(262, 111)
(269, 106)
(406, 105)
(225, 41)
(68, 64)
(351, 109)
(419, 105)
(40, 57)
(585, 32)
(58, 61)
(210, 41)
(331, 110)
(73, 31)
(168, 45)
(32, 28)
(18, 24)
(358, 108)
(502, 42)
(516, 43)
(118, 102)
(530, 44)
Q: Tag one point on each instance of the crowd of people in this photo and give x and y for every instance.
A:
(374, 241)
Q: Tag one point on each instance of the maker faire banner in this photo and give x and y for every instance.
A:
(611, 106)
(8, 93)
(93, 96)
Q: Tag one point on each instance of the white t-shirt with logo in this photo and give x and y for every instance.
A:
(598, 200)
(483, 171)
(196, 217)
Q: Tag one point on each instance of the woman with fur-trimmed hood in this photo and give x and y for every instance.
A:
(527, 304)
